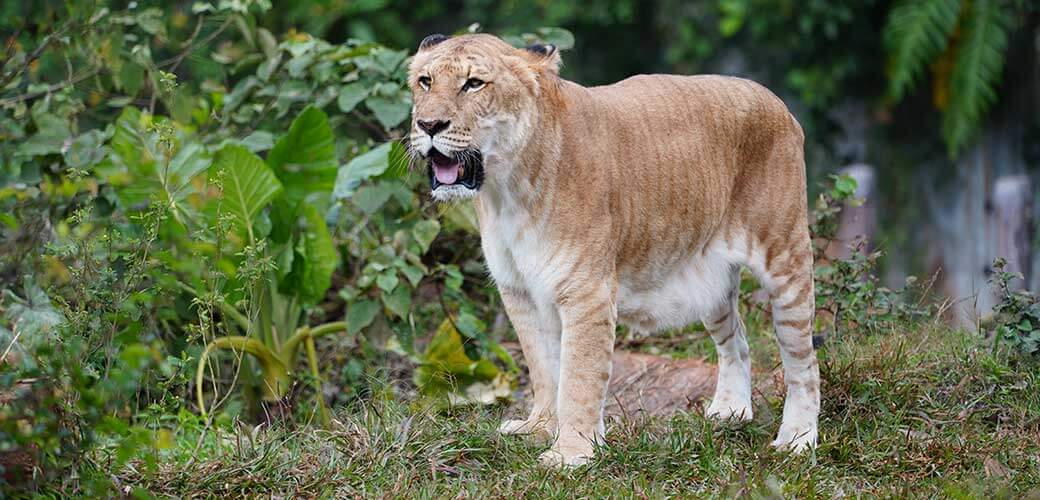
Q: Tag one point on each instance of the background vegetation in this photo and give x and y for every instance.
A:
(218, 276)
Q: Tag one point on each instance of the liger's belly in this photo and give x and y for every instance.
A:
(654, 299)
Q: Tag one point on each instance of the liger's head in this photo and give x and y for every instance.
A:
(474, 97)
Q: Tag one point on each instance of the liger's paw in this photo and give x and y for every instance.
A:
(728, 409)
(541, 428)
(561, 458)
(795, 441)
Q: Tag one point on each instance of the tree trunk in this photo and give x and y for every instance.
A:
(1012, 218)
(857, 222)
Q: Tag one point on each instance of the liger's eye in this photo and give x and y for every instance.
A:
(473, 84)
(424, 82)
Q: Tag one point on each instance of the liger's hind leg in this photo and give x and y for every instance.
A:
(732, 397)
(789, 280)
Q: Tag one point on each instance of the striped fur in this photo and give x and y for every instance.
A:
(632, 203)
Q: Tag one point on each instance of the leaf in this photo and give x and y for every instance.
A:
(413, 273)
(267, 42)
(314, 258)
(85, 150)
(561, 38)
(484, 393)
(190, 160)
(397, 162)
(387, 280)
(462, 216)
(248, 184)
(390, 111)
(51, 133)
(978, 67)
(389, 60)
(732, 14)
(131, 77)
(371, 198)
(469, 325)
(914, 35)
(845, 185)
(447, 369)
(453, 277)
(136, 150)
(425, 232)
(360, 168)
(258, 141)
(360, 314)
(33, 316)
(350, 95)
(151, 177)
(447, 354)
(398, 301)
(304, 159)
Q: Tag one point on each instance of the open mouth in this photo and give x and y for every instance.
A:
(464, 168)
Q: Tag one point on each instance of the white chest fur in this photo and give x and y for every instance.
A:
(519, 256)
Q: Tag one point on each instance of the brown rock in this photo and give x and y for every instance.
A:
(656, 385)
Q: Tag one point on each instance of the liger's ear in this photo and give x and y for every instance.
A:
(432, 40)
(545, 55)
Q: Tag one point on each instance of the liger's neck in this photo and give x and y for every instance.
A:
(521, 179)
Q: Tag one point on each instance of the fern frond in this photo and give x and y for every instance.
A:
(978, 67)
(916, 32)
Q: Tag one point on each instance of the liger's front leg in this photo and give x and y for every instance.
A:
(539, 336)
(587, 319)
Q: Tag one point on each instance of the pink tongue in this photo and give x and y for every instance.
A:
(446, 174)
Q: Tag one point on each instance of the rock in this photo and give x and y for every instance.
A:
(644, 384)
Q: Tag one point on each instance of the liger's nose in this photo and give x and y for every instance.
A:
(432, 127)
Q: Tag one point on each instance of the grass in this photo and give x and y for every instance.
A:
(924, 413)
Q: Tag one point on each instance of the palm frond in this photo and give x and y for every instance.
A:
(916, 32)
(978, 67)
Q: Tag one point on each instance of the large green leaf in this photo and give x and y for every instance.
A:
(424, 232)
(981, 50)
(360, 314)
(390, 111)
(350, 95)
(314, 257)
(305, 158)
(137, 152)
(445, 366)
(52, 132)
(176, 177)
(151, 176)
(33, 316)
(248, 184)
(916, 32)
(362, 167)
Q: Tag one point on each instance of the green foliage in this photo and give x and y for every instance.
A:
(849, 297)
(978, 67)
(1015, 321)
(144, 228)
(445, 368)
(305, 158)
(965, 43)
(823, 225)
(916, 34)
(247, 184)
(78, 362)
